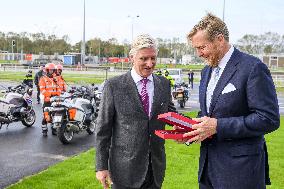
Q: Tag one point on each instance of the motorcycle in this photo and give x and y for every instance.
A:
(16, 105)
(180, 94)
(96, 99)
(72, 113)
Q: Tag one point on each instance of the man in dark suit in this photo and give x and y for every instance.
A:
(128, 153)
(190, 78)
(238, 106)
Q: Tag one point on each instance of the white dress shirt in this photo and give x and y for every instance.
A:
(150, 86)
(222, 64)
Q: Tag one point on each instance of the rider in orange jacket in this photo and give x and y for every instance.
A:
(48, 88)
(61, 84)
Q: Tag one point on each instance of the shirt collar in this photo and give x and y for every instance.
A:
(136, 77)
(222, 64)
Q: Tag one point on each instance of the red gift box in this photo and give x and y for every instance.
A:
(173, 118)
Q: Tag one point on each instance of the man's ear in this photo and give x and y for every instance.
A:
(220, 37)
(131, 58)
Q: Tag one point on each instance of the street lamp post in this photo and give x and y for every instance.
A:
(132, 23)
(224, 10)
(83, 41)
(13, 44)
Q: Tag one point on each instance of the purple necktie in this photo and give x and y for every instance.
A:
(145, 96)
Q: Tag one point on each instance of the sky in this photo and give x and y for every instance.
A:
(160, 18)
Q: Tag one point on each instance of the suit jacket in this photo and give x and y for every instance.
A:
(125, 134)
(237, 153)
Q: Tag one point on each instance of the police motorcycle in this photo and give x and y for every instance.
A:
(16, 105)
(97, 93)
(71, 113)
(181, 93)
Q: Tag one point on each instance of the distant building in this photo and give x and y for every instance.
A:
(273, 61)
(186, 59)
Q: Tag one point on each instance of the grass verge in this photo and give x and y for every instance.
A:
(182, 166)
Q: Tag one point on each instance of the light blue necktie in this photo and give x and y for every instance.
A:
(211, 86)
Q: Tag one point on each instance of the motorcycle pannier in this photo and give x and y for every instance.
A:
(76, 114)
(4, 107)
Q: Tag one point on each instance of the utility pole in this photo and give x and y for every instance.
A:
(83, 41)
(13, 44)
(224, 10)
(100, 51)
(22, 44)
(132, 23)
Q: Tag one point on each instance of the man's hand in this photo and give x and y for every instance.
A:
(104, 178)
(180, 141)
(204, 129)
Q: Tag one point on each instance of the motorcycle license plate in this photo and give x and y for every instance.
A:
(57, 119)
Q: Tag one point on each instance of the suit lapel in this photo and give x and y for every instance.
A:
(203, 88)
(158, 91)
(130, 89)
(228, 72)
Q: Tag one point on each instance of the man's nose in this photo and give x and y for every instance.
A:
(150, 62)
(199, 53)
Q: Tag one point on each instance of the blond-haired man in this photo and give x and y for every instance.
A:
(238, 106)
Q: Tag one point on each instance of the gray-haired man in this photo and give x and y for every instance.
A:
(128, 153)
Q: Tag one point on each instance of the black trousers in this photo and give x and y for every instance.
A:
(38, 93)
(148, 183)
(205, 182)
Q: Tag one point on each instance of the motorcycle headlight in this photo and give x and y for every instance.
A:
(30, 92)
(22, 110)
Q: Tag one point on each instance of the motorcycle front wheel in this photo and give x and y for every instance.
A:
(29, 119)
(65, 134)
(91, 128)
(182, 103)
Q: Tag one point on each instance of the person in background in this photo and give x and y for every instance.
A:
(28, 81)
(172, 81)
(159, 72)
(238, 106)
(190, 78)
(128, 153)
(48, 88)
(62, 86)
(37, 77)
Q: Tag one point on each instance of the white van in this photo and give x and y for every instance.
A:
(176, 74)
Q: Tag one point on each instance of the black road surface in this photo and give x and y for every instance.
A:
(24, 151)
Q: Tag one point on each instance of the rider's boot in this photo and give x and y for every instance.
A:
(53, 130)
(44, 128)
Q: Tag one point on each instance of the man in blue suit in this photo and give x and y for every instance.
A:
(238, 106)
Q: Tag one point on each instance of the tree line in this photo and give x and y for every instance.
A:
(37, 43)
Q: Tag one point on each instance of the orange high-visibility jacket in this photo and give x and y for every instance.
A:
(61, 84)
(48, 88)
